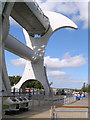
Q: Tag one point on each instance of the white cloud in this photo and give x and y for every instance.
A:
(18, 62)
(79, 80)
(66, 62)
(57, 76)
(83, 14)
(55, 63)
(56, 73)
(62, 76)
(62, 80)
(77, 11)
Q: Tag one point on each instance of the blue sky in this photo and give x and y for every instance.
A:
(67, 48)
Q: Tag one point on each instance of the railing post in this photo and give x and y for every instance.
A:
(68, 99)
(44, 100)
(64, 100)
(51, 112)
(48, 99)
(54, 112)
(32, 101)
(52, 100)
(38, 101)
(13, 91)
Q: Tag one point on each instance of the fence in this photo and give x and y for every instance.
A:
(69, 99)
(41, 99)
(25, 99)
(72, 112)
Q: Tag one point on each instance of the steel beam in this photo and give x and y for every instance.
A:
(18, 48)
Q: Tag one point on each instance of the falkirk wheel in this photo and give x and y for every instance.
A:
(34, 21)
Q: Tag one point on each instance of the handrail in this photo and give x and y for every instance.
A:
(54, 112)
(36, 4)
(71, 106)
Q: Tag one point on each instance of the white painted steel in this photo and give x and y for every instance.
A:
(15, 46)
(36, 46)
(6, 11)
(31, 17)
(36, 71)
(58, 21)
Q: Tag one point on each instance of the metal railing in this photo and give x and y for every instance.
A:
(40, 98)
(37, 99)
(71, 112)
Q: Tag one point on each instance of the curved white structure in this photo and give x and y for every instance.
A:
(44, 24)
(33, 20)
(38, 45)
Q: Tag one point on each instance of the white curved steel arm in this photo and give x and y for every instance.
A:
(35, 49)
(58, 21)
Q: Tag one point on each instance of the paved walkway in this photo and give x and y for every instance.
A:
(74, 112)
(44, 112)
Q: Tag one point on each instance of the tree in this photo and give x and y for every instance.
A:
(30, 84)
(14, 80)
(89, 88)
(34, 84)
(76, 90)
(84, 87)
(50, 83)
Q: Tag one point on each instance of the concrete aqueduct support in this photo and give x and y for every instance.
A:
(35, 71)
